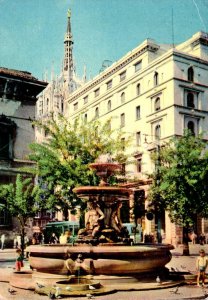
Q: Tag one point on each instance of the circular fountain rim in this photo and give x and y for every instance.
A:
(106, 165)
(102, 190)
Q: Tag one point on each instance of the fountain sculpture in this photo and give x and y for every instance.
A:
(103, 250)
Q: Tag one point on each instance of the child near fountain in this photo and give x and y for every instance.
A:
(19, 260)
(201, 265)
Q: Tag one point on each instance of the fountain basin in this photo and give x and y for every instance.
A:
(104, 259)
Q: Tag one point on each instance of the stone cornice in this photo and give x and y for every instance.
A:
(201, 40)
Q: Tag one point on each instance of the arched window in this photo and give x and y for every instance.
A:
(191, 127)
(7, 136)
(190, 100)
(138, 89)
(139, 165)
(157, 132)
(191, 74)
(155, 79)
(123, 97)
(85, 118)
(47, 104)
(96, 112)
(109, 105)
(157, 104)
(122, 118)
(62, 105)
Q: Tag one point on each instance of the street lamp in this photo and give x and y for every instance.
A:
(156, 143)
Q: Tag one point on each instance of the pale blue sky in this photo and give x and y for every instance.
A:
(32, 31)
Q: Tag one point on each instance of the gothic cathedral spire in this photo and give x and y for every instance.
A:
(68, 42)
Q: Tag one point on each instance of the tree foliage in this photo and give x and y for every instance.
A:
(21, 200)
(180, 181)
(62, 160)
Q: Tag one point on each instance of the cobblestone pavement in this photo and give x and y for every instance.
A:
(178, 263)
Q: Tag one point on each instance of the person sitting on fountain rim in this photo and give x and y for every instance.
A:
(201, 265)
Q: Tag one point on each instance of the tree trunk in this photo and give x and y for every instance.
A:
(185, 241)
(23, 240)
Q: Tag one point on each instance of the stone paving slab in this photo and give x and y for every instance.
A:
(184, 293)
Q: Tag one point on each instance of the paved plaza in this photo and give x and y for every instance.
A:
(178, 263)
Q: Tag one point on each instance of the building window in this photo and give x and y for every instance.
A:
(85, 118)
(138, 89)
(138, 138)
(123, 96)
(191, 127)
(138, 66)
(97, 92)
(76, 106)
(122, 120)
(123, 76)
(155, 79)
(109, 105)
(157, 104)
(5, 218)
(47, 104)
(109, 84)
(85, 99)
(46, 132)
(96, 112)
(62, 106)
(138, 112)
(157, 132)
(7, 137)
(123, 144)
(139, 165)
(40, 112)
(191, 74)
(190, 100)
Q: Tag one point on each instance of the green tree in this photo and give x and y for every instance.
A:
(21, 200)
(180, 181)
(62, 160)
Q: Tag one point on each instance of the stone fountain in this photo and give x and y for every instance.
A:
(103, 252)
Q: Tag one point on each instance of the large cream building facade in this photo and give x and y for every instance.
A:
(153, 93)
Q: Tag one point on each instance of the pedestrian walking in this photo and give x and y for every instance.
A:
(2, 241)
(193, 237)
(201, 265)
(202, 239)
